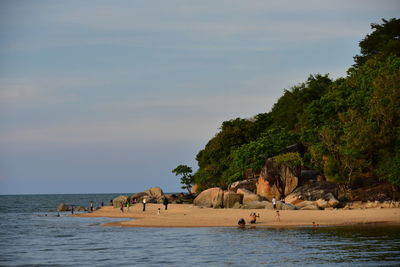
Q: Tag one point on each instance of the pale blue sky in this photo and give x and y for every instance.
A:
(110, 96)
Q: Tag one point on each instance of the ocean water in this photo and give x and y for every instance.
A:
(32, 235)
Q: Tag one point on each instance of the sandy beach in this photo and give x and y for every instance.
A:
(186, 215)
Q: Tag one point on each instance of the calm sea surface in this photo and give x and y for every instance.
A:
(32, 234)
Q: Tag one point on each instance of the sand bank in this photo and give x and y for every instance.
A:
(185, 215)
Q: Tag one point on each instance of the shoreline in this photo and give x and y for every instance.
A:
(190, 216)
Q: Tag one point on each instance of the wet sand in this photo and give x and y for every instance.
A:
(186, 215)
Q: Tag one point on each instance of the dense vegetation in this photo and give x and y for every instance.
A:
(351, 126)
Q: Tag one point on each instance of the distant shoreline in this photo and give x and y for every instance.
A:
(190, 216)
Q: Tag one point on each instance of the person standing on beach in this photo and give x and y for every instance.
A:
(72, 210)
(166, 202)
(144, 204)
(253, 217)
(91, 206)
(274, 202)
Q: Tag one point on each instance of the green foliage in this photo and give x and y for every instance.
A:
(187, 177)
(389, 168)
(350, 125)
(214, 159)
(383, 41)
(253, 155)
(292, 160)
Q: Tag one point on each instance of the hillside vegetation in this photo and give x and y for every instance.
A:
(350, 126)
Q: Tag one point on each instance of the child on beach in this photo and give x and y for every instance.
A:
(158, 211)
(278, 216)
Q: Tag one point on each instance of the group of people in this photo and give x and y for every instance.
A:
(254, 216)
(144, 202)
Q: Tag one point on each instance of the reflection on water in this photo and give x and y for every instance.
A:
(29, 237)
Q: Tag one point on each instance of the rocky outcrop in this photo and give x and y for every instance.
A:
(118, 200)
(211, 198)
(63, 207)
(231, 198)
(313, 192)
(250, 185)
(275, 178)
(248, 196)
(379, 192)
(155, 193)
(181, 198)
(152, 195)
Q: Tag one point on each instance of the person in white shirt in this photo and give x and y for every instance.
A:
(144, 204)
(274, 202)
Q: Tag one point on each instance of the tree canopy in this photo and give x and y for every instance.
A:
(351, 125)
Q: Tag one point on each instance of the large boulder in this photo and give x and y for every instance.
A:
(118, 200)
(249, 185)
(313, 192)
(211, 198)
(271, 175)
(231, 198)
(155, 193)
(248, 196)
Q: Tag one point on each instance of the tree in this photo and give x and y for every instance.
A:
(383, 41)
(187, 177)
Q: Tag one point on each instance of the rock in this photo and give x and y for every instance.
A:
(267, 182)
(256, 205)
(322, 204)
(194, 189)
(237, 206)
(332, 201)
(155, 193)
(313, 192)
(63, 207)
(310, 207)
(181, 198)
(248, 196)
(249, 185)
(303, 204)
(138, 197)
(212, 198)
(380, 192)
(231, 198)
(118, 200)
(288, 206)
(79, 208)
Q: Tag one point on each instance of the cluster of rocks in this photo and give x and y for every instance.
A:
(153, 195)
(64, 207)
(315, 195)
(371, 205)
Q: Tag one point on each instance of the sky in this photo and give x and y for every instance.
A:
(110, 96)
